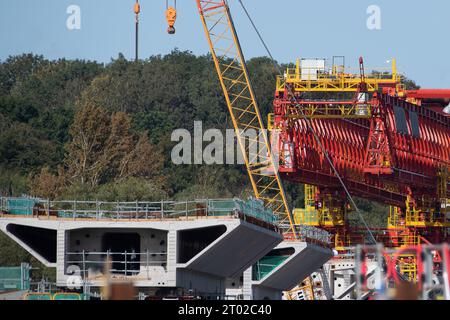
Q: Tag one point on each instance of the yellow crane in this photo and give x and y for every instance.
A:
(234, 78)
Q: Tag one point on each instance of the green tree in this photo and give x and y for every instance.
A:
(56, 84)
(17, 69)
(87, 157)
(132, 189)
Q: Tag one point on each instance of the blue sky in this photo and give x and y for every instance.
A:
(416, 32)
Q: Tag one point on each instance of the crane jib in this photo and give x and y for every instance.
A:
(244, 111)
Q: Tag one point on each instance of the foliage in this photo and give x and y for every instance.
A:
(374, 214)
(103, 149)
(12, 255)
(46, 184)
(132, 189)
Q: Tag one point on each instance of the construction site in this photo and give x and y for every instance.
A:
(338, 133)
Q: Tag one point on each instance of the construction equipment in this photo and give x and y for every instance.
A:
(312, 75)
(377, 140)
(233, 75)
(245, 114)
(388, 144)
(413, 272)
(137, 11)
(171, 16)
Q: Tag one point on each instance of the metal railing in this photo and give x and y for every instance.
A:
(135, 210)
(311, 235)
(391, 240)
(313, 73)
(122, 263)
(329, 79)
(157, 210)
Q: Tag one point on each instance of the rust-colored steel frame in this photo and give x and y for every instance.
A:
(389, 168)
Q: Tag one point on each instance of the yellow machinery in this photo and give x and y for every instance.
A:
(336, 79)
(308, 215)
(245, 114)
(408, 267)
(323, 213)
(424, 217)
(304, 291)
(395, 220)
(444, 179)
(310, 81)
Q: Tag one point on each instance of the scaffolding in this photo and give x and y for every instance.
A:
(304, 291)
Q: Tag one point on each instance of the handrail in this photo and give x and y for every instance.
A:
(142, 260)
(139, 210)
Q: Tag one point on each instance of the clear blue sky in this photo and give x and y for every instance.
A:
(416, 32)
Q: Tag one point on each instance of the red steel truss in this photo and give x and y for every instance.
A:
(382, 157)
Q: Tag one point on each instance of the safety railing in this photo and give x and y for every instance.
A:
(407, 265)
(49, 296)
(308, 79)
(389, 238)
(308, 216)
(123, 263)
(311, 235)
(429, 218)
(304, 73)
(324, 218)
(138, 210)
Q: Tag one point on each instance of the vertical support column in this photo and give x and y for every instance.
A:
(172, 254)
(325, 274)
(61, 246)
(247, 288)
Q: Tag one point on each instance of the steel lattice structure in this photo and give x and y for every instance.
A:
(234, 79)
(395, 150)
(387, 144)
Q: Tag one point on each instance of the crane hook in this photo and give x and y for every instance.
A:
(171, 16)
(137, 7)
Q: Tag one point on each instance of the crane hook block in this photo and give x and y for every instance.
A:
(137, 8)
(171, 16)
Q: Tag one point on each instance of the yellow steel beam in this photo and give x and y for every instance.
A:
(332, 111)
(234, 79)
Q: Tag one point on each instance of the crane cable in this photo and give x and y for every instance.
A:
(308, 122)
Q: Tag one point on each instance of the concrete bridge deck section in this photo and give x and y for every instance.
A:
(235, 251)
(305, 260)
(195, 255)
(300, 260)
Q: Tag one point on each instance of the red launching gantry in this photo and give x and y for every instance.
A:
(387, 143)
